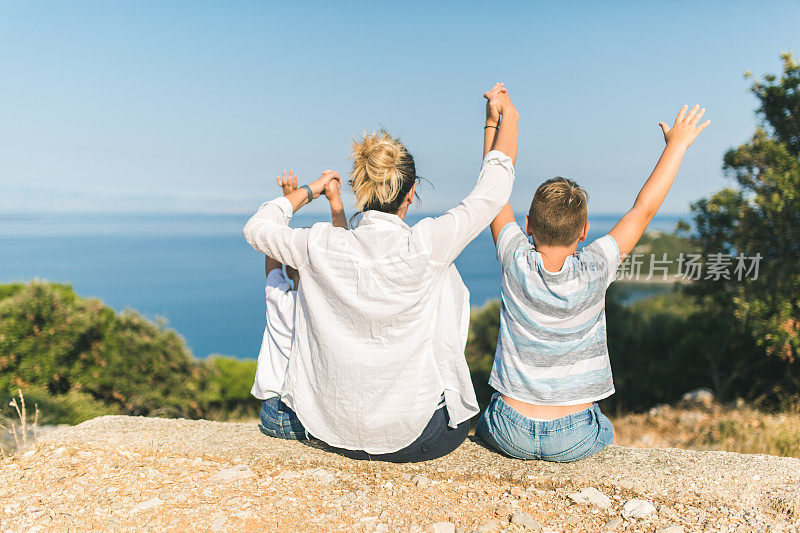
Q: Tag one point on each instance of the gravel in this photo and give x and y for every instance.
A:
(200, 475)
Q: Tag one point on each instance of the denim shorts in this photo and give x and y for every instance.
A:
(563, 440)
(279, 421)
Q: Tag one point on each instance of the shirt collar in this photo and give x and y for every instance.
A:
(379, 218)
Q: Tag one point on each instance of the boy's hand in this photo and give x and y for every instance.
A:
(685, 130)
(287, 183)
(502, 100)
(492, 109)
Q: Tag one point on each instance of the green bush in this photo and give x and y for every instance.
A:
(80, 359)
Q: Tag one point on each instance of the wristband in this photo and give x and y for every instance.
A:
(308, 192)
(495, 127)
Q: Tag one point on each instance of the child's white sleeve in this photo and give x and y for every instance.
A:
(509, 240)
(281, 301)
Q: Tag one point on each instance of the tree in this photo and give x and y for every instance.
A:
(761, 216)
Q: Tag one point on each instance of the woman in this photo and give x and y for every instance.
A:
(366, 374)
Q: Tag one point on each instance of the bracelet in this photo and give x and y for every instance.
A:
(495, 127)
(308, 192)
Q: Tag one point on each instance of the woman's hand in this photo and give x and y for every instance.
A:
(492, 110)
(502, 100)
(685, 130)
(321, 184)
(287, 183)
(332, 189)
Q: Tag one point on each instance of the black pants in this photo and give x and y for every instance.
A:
(436, 440)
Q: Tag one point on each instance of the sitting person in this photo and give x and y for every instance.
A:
(276, 345)
(368, 368)
(551, 363)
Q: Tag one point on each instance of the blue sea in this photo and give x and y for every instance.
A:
(196, 271)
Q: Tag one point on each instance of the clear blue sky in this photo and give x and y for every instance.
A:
(196, 106)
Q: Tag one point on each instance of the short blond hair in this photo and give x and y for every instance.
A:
(558, 212)
(383, 172)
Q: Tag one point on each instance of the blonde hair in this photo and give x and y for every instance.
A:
(383, 172)
(558, 212)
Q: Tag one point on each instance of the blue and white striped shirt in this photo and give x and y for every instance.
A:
(552, 349)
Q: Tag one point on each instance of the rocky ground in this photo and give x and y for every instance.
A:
(127, 473)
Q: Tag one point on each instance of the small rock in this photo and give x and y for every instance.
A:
(321, 475)
(698, 397)
(388, 485)
(440, 527)
(525, 521)
(637, 509)
(381, 528)
(591, 496)
(152, 503)
(672, 528)
(491, 526)
(503, 511)
(516, 475)
(573, 520)
(346, 498)
(613, 524)
(421, 481)
(235, 473)
(218, 524)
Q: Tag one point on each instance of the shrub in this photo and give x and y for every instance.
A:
(77, 358)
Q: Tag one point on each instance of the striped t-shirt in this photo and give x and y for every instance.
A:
(552, 349)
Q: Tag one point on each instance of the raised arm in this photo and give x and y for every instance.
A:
(268, 232)
(453, 231)
(679, 137)
(298, 196)
(492, 124)
(493, 104)
(333, 195)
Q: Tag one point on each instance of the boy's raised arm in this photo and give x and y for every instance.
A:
(491, 142)
(679, 137)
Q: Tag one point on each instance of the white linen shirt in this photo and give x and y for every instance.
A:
(276, 345)
(364, 373)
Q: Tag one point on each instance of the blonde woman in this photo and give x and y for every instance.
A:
(371, 372)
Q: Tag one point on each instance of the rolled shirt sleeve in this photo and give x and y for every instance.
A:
(453, 231)
(268, 232)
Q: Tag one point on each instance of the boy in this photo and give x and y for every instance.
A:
(273, 358)
(551, 363)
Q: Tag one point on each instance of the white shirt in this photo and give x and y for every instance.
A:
(364, 373)
(273, 358)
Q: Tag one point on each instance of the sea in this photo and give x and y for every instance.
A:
(195, 270)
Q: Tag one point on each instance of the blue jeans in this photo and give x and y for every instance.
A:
(563, 440)
(436, 440)
(279, 421)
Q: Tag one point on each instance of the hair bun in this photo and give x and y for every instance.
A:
(380, 170)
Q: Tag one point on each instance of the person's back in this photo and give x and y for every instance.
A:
(367, 373)
(552, 362)
(552, 347)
